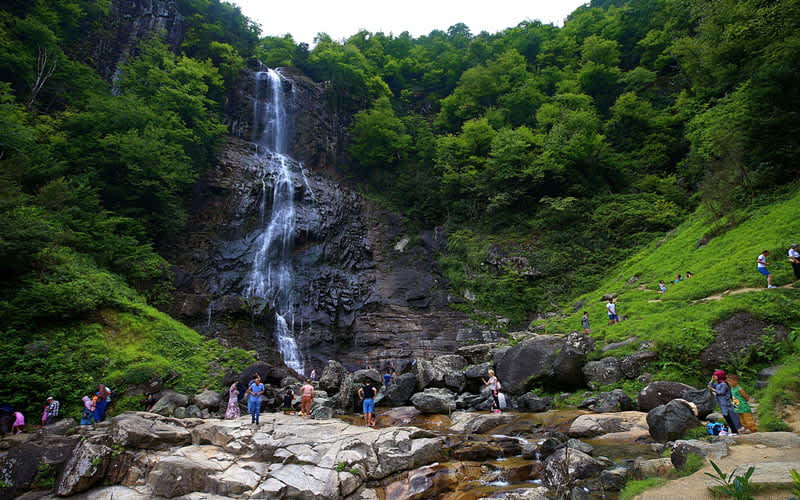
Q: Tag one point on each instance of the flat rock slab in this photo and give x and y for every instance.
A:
(767, 475)
(771, 439)
(617, 426)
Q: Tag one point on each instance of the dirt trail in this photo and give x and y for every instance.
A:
(694, 487)
(733, 291)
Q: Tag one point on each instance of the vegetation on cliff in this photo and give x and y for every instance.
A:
(90, 181)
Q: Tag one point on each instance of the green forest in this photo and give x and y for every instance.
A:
(576, 147)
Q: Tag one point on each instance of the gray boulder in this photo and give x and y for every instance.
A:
(208, 399)
(400, 390)
(566, 465)
(633, 365)
(361, 377)
(577, 444)
(549, 360)
(332, 377)
(614, 479)
(346, 396)
(444, 371)
(323, 408)
(670, 421)
(682, 449)
(434, 400)
(604, 372)
(661, 392)
(607, 402)
(476, 354)
(530, 402)
(168, 401)
(192, 411)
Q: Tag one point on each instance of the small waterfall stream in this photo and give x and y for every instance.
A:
(271, 275)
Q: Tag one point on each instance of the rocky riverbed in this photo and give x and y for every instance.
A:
(410, 455)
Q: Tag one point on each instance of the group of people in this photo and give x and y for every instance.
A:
(95, 405)
(762, 266)
(662, 286)
(613, 316)
(734, 402)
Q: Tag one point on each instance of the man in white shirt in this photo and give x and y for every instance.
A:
(794, 258)
(761, 265)
(612, 312)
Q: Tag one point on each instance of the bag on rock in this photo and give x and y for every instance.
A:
(501, 400)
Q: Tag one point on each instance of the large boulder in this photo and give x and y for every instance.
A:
(633, 364)
(269, 374)
(400, 390)
(530, 402)
(444, 371)
(661, 392)
(566, 465)
(84, 469)
(607, 402)
(323, 408)
(670, 421)
(603, 372)
(434, 400)
(475, 374)
(736, 336)
(361, 377)
(550, 360)
(208, 400)
(347, 395)
(168, 401)
(476, 354)
(146, 431)
(332, 377)
(682, 449)
(622, 426)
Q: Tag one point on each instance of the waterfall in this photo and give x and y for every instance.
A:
(271, 275)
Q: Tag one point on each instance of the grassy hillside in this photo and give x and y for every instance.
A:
(125, 348)
(680, 322)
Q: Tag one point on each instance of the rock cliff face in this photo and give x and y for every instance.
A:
(130, 22)
(366, 289)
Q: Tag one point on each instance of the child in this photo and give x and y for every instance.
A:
(741, 404)
(678, 279)
(612, 312)
(689, 275)
(585, 322)
(662, 287)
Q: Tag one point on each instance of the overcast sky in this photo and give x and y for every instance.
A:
(342, 18)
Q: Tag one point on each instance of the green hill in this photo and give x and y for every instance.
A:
(680, 322)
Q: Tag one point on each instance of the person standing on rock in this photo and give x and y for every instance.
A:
(794, 258)
(103, 395)
(87, 414)
(761, 266)
(313, 375)
(52, 410)
(366, 394)
(254, 393)
(585, 322)
(722, 391)
(611, 307)
(741, 404)
(494, 385)
(19, 423)
(233, 412)
(387, 378)
(307, 398)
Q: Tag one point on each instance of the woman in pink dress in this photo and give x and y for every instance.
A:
(19, 422)
(232, 413)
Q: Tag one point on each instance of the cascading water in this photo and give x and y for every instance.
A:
(271, 276)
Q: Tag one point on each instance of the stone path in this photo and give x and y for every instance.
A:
(758, 448)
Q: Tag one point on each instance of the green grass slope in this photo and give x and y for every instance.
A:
(680, 322)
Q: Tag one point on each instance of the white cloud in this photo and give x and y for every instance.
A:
(342, 18)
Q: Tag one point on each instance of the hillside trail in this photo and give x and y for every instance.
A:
(732, 291)
(695, 486)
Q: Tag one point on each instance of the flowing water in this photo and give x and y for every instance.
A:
(271, 276)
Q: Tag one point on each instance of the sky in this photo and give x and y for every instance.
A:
(343, 18)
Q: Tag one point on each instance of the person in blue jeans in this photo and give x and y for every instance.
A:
(367, 394)
(720, 388)
(254, 393)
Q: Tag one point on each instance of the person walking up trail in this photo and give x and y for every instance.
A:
(254, 393)
(367, 394)
(794, 258)
(761, 265)
(723, 393)
(307, 392)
